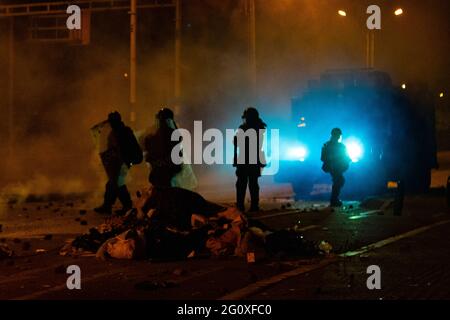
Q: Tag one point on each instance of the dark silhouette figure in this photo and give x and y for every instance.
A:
(121, 153)
(250, 159)
(158, 147)
(335, 162)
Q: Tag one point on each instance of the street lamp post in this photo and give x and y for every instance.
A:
(177, 51)
(133, 23)
(370, 39)
(251, 12)
(11, 57)
(370, 48)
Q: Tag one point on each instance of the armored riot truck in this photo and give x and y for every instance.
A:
(388, 130)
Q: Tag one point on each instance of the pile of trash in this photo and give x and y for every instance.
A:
(175, 223)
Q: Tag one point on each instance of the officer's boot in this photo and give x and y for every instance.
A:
(241, 187)
(254, 194)
(335, 191)
(109, 198)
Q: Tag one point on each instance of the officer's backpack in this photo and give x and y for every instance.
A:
(334, 158)
(324, 157)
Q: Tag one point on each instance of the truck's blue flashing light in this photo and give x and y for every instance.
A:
(354, 148)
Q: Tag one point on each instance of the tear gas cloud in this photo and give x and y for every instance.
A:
(60, 90)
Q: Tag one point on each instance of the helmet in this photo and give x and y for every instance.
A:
(164, 114)
(250, 113)
(336, 132)
(114, 117)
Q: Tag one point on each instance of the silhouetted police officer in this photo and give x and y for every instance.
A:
(335, 161)
(250, 160)
(158, 147)
(122, 151)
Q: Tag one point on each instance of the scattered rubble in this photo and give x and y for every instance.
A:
(5, 252)
(179, 272)
(325, 247)
(153, 285)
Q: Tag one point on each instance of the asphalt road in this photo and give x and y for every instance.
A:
(38, 272)
(412, 267)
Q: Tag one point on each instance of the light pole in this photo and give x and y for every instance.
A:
(133, 12)
(251, 13)
(11, 57)
(177, 51)
(370, 48)
(370, 43)
(370, 39)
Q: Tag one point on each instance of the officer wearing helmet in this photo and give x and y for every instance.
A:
(120, 152)
(249, 158)
(158, 147)
(335, 162)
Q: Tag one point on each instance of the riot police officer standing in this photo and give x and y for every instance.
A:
(250, 160)
(158, 148)
(335, 162)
